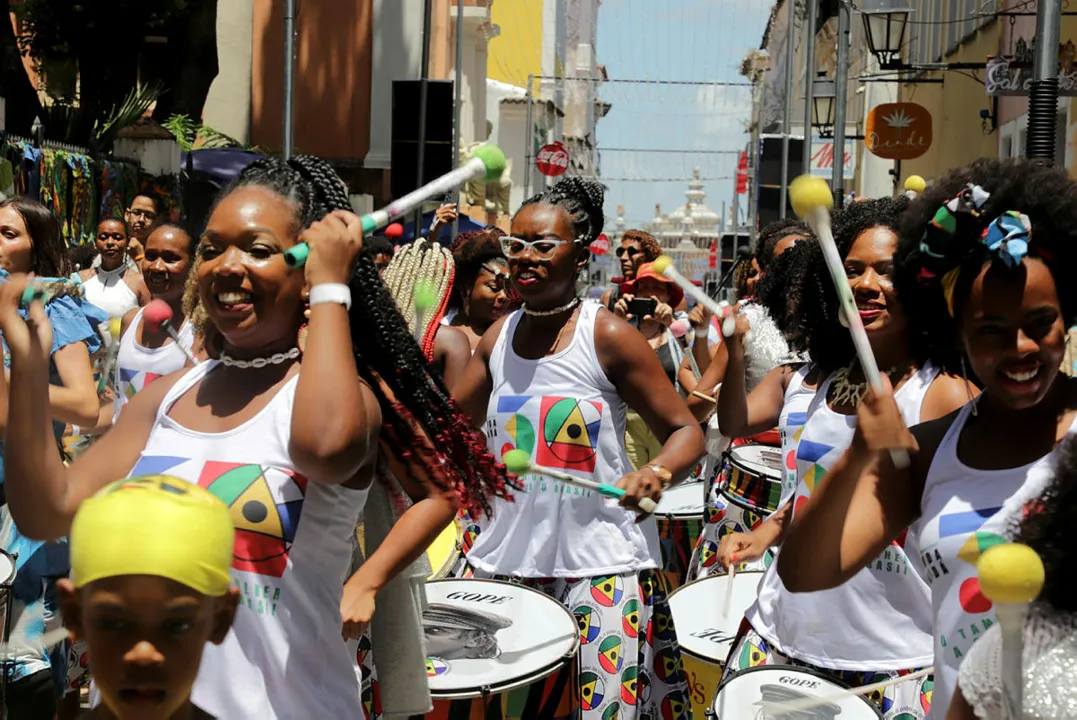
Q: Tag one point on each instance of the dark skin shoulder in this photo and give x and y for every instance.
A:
(452, 351)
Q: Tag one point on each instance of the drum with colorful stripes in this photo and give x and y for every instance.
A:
(753, 475)
(679, 517)
(498, 650)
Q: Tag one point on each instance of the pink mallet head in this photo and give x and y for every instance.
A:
(679, 328)
(156, 313)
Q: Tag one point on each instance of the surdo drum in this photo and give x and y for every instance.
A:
(498, 650)
(752, 693)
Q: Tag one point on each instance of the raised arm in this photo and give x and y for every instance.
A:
(336, 419)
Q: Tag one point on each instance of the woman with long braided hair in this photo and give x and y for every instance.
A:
(555, 379)
(286, 423)
(426, 265)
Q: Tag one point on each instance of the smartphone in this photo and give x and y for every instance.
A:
(640, 308)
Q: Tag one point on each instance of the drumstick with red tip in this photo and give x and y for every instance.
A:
(1011, 576)
(812, 201)
(518, 462)
(158, 314)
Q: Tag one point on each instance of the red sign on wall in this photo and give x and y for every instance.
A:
(742, 174)
(601, 245)
(552, 160)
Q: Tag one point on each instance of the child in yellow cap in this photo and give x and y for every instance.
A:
(149, 587)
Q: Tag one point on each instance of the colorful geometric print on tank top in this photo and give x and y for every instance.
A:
(284, 657)
(565, 414)
(723, 515)
(885, 609)
(137, 366)
(964, 511)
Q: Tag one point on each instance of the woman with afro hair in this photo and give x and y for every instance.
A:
(982, 268)
(878, 625)
(481, 292)
(554, 380)
(314, 381)
(1050, 632)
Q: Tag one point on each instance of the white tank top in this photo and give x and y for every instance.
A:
(138, 366)
(284, 657)
(566, 414)
(964, 511)
(791, 423)
(108, 290)
(880, 619)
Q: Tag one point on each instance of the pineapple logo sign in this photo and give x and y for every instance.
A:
(898, 131)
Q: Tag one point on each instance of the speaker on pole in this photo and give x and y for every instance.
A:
(768, 192)
(404, 151)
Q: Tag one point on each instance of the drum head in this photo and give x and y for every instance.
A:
(760, 460)
(747, 694)
(682, 501)
(7, 569)
(484, 635)
(702, 628)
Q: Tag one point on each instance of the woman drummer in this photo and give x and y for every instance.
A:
(553, 380)
(984, 255)
(885, 615)
(289, 444)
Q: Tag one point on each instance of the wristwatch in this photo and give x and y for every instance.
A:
(664, 475)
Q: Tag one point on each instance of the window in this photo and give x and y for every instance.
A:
(934, 16)
(953, 26)
(1005, 147)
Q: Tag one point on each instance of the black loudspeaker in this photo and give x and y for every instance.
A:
(437, 158)
(770, 160)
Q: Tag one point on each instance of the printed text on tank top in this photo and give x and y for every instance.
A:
(963, 511)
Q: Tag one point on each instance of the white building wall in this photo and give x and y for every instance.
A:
(397, 55)
(228, 104)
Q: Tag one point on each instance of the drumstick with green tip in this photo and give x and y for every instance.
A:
(518, 462)
(487, 162)
(1011, 576)
(812, 201)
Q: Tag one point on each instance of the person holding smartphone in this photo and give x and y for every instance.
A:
(647, 302)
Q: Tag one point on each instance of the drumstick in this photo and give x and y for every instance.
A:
(1011, 576)
(729, 586)
(488, 162)
(664, 266)
(812, 200)
(708, 398)
(518, 462)
(782, 709)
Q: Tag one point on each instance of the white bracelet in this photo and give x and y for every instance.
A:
(331, 293)
(703, 332)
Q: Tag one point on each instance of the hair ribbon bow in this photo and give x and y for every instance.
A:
(1008, 237)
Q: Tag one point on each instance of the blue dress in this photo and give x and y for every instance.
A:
(35, 606)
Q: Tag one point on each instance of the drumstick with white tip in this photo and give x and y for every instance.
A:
(518, 462)
(1011, 576)
(663, 265)
(812, 201)
(729, 585)
(797, 706)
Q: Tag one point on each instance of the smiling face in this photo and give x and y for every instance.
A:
(869, 267)
(545, 275)
(1013, 332)
(146, 635)
(16, 246)
(166, 262)
(111, 243)
(250, 294)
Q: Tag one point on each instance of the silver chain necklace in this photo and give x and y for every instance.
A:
(553, 311)
(277, 359)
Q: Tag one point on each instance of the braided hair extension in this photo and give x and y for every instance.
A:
(413, 397)
(1046, 194)
(811, 321)
(582, 200)
(428, 262)
(470, 251)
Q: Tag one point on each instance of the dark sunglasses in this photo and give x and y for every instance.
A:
(632, 251)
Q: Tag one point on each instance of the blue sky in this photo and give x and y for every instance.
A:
(673, 40)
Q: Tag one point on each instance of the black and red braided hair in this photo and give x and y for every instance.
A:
(412, 394)
(1045, 195)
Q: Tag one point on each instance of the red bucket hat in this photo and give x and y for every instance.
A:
(646, 270)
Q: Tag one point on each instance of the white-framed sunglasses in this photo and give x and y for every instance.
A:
(543, 248)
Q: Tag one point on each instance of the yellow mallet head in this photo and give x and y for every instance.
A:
(809, 192)
(114, 327)
(1010, 573)
(661, 263)
(915, 183)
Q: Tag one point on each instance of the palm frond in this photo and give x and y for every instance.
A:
(137, 102)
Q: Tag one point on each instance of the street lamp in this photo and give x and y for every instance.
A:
(885, 31)
(824, 95)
